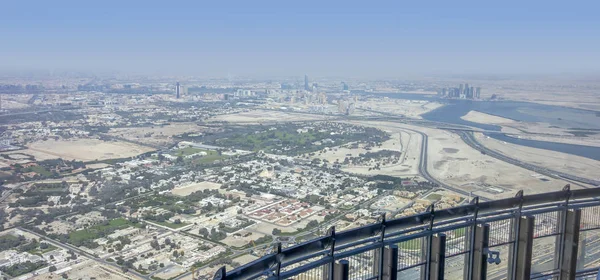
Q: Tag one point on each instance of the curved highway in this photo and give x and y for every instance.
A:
(468, 138)
(466, 135)
(427, 176)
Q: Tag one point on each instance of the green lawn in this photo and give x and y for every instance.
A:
(39, 170)
(170, 225)
(208, 158)
(95, 231)
(39, 251)
(434, 197)
(187, 151)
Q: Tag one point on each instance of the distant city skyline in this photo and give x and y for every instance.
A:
(335, 38)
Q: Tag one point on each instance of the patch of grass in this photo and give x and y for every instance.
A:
(434, 197)
(98, 231)
(187, 151)
(170, 225)
(39, 170)
(39, 251)
(210, 158)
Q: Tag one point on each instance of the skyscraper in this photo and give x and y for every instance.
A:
(177, 89)
(306, 87)
(478, 92)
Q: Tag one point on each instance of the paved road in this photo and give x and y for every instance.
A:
(81, 252)
(425, 173)
(468, 138)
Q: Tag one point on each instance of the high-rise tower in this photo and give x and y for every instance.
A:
(177, 89)
(306, 87)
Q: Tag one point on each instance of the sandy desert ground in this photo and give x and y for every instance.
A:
(161, 135)
(409, 108)
(405, 141)
(568, 163)
(455, 163)
(86, 270)
(241, 241)
(188, 189)
(83, 149)
(479, 117)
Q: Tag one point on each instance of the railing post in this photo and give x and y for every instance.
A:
(468, 272)
(219, 274)
(561, 221)
(341, 270)
(278, 268)
(379, 255)
(581, 261)
(426, 273)
(514, 226)
(328, 269)
(481, 242)
(524, 248)
(437, 258)
(568, 266)
(390, 263)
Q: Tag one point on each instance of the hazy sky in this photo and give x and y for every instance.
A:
(321, 38)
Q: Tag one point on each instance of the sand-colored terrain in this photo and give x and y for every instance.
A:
(261, 116)
(243, 240)
(452, 161)
(455, 163)
(188, 189)
(87, 270)
(172, 272)
(593, 141)
(479, 117)
(567, 163)
(155, 135)
(411, 150)
(409, 108)
(404, 141)
(83, 149)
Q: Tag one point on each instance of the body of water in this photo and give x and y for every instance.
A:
(567, 118)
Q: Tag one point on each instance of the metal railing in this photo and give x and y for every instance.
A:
(553, 235)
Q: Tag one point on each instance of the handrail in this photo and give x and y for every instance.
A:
(313, 248)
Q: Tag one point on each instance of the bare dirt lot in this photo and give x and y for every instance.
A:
(410, 108)
(453, 162)
(83, 149)
(188, 189)
(479, 117)
(567, 163)
(243, 240)
(155, 135)
(472, 171)
(86, 270)
(410, 148)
